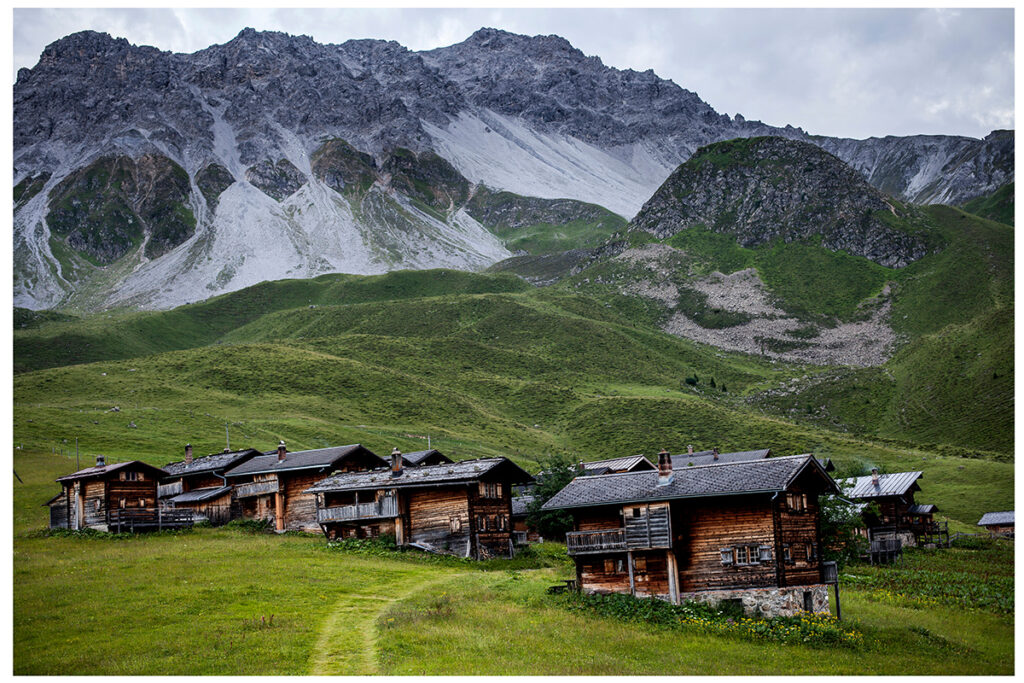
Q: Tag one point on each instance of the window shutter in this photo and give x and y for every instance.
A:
(764, 553)
(726, 556)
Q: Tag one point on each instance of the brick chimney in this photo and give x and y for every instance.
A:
(281, 451)
(396, 462)
(188, 454)
(100, 462)
(689, 449)
(664, 468)
(874, 477)
(714, 453)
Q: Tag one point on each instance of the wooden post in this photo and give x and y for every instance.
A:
(279, 508)
(629, 564)
(839, 609)
(673, 585)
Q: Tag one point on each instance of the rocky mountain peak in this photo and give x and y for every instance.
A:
(772, 188)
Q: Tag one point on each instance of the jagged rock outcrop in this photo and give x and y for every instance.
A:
(105, 209)
(278, 180)
(768, 188)
(212, 180)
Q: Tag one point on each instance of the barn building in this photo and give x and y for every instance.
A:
(998, 523)
(118, 497)
(462, 508)
(199, 484)
(890, 511)
(747, 531)
(272, 487)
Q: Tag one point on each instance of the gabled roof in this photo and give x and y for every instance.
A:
(1000, 518)
(199, 495)
(54, 499)
(895, 484)
(425, 475)
(519, 504)
(700, 458)
(629, 464)
(922, 509)
(300, 460)
(210, 463)
(417, 457)
(752, 476)
(96, 472)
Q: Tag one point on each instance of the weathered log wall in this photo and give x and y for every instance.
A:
(440, 517)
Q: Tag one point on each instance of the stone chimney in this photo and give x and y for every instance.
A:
(281, 451)
(874, 477)
(689, 449)
(664, 468)
(188, 454)
(396, 462)
(227, 449)
(100, 462)
(714, 453)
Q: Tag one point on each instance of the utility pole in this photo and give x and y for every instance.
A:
(227, 435)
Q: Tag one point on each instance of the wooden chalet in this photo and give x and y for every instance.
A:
(461, 508)
(889, 511)
(199, 484)
(273, 486)
(523, 533)
(429, 457)
(118, 497)
(747, 531)
(998, 523)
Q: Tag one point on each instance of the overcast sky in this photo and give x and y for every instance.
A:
(851, 73)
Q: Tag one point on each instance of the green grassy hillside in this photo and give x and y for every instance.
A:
(997, 206)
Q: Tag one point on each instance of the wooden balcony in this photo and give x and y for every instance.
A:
(257, 488)
(651, 529)
(605, 540)
(384, 508)
(166, 490)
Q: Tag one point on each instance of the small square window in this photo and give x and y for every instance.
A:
(636, 512)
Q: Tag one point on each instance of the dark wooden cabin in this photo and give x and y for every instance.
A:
(461, 508)
(522, 532)
(747, 531)
(998, 523)
(199, 484)
(429, 457)
(273, 487)
(889, 510)
(118, 497)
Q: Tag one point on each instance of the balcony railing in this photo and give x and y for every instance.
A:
(385, 507)
(172, 489)
(581, 542)
(144, 519)
(257, 488)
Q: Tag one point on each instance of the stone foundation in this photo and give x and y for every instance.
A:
(766, 602)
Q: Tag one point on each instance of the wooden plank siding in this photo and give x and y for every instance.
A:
(490, 512)
(300, 508)
(440, 517)
(706, 526)
(800, 533)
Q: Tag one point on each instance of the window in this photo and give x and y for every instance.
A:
(131, 476)
(796, 502)
(96, 505)
(636, 512)
(787, 556)
(609, 566)
(488, 490)
(765, 553)
(455, 525)
(481, 523)
(811, 549)
(640, 564)
(746, 555)
(727, 555)
(620, 565)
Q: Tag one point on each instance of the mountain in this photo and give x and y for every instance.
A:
(146, 178)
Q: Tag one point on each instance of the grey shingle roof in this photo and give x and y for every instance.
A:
(620, 464)
(416, 457)
(519, 504)
(922, 509)
(1001, 518)
(425, 475)
(752, 476)
(90, 472)
(895, 484)
(199, 495)
(299, 460)
(210, 463)
(701, 458)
